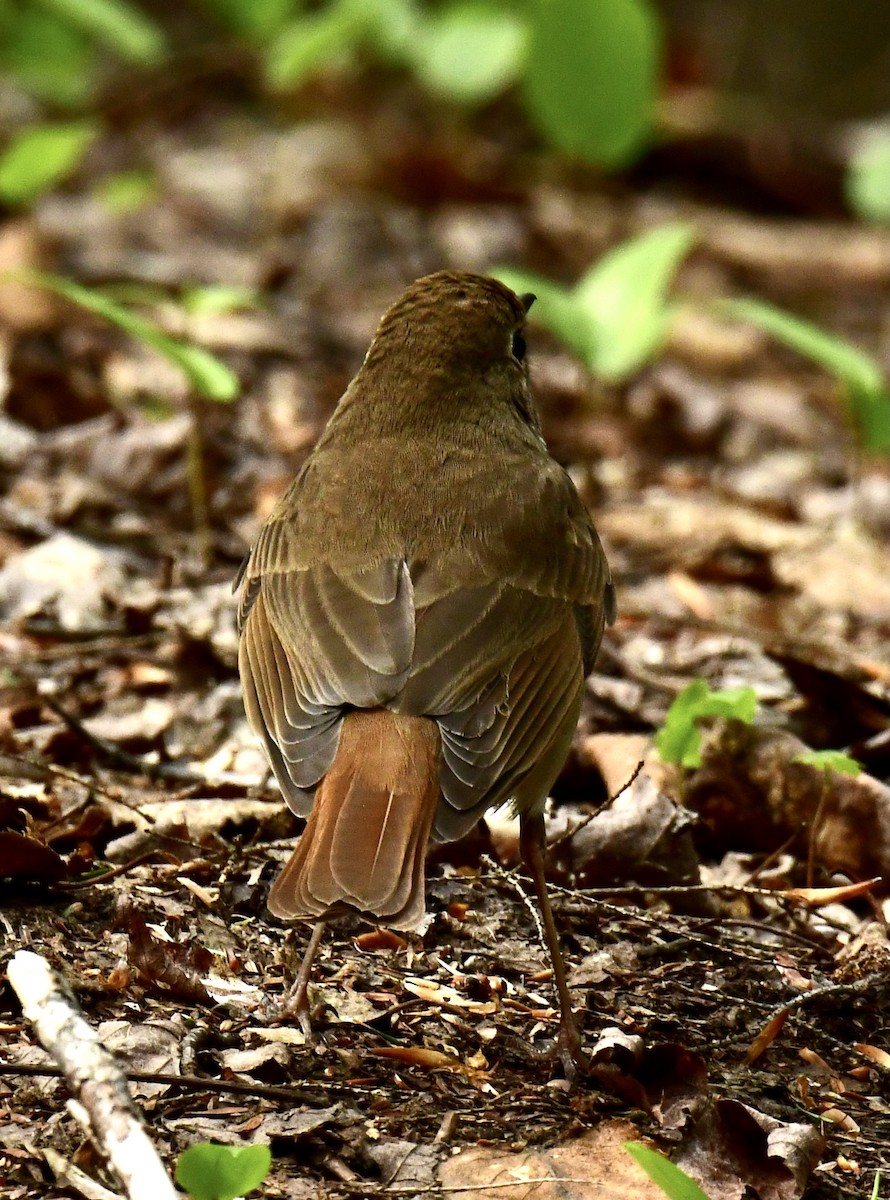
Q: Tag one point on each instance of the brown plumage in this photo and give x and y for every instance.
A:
(420, 611)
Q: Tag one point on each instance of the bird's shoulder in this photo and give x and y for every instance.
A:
(476, 512)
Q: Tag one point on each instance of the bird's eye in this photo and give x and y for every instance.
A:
(517, 346)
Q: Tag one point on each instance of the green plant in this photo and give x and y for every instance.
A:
(208, 378)
(830, 760)
(867, 183)
(209, 1171)
(617, 316)
(39, 157)
(469, 52)
(127, 191)
(679, 739)
(588, 73)
(859, 376)
(206, 375)
(675, 1183)
(592, 74)
(52, 47)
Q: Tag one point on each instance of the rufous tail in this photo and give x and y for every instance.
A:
(365, 840)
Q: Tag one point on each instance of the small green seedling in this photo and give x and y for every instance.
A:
(218, 299)
(208, 378)
(868, 179)
(127, 191)
(122, 28)
(42, 156)
(675, 1183)
(206, 375)
(617, 317)
(679, 739)
(860, 377)
(829, 760)
(209, 1171)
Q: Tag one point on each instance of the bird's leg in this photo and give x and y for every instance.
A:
(297, 1002)
(531, 846)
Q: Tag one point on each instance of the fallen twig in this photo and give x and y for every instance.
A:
(96, 1081)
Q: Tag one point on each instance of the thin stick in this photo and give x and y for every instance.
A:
(96, 1081)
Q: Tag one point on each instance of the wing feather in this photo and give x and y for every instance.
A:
(473, 630)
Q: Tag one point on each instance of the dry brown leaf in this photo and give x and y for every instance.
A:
(440, 993)
(735, 1150)
(815, 897)
(380, 939)
(767, 1036)
(27, 859)
(430, 1060)
(838, 1117)
(753, 795)
(644, 836)
(875, 1053)
(594, 1166)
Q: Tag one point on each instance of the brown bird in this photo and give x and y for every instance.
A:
(418, 616)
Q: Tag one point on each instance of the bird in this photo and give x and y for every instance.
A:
(418, 616)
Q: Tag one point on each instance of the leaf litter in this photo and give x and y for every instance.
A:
(139, 829)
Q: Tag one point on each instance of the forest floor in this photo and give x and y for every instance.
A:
(737, 1021)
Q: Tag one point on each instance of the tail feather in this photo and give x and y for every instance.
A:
(365, 839)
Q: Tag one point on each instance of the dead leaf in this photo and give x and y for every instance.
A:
(169, 966)
(380, 939)
(430, 1060)
(753, 795)
(767, 1036)
(594, 1166)
(29, 860)
(815, 897)
(875, 1054)
(65, 579)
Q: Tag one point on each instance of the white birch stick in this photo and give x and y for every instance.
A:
(93, 1076)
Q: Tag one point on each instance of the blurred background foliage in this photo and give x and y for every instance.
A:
(609, 82)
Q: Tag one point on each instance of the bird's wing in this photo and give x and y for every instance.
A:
(480, 634)
(313, 642)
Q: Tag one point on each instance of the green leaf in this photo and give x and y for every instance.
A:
(122, 28)
(829, 760)
(470, 52)
(616, 318)
(218, 298)
(208, 376)
(675, 1183)
(865, 384)
(50, 60)
(40, 157)
(212, 1172)
(868, 179)
(311, 43)
(257, 20)
(127, 191)
(392, 28)
(592, 76)
(679, 740)
(623, 299)
(555, 308)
